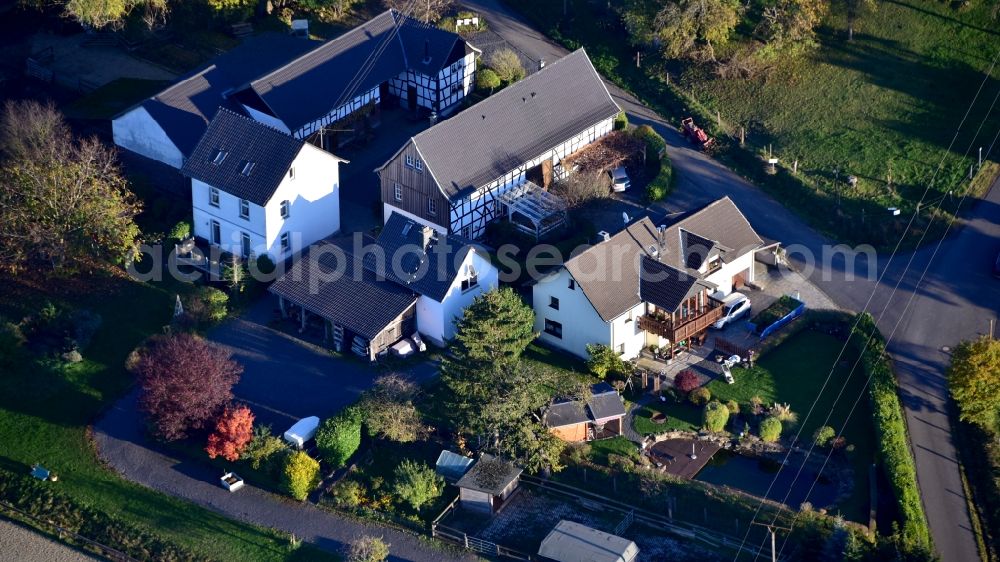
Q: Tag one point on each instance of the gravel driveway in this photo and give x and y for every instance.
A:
(18, 544)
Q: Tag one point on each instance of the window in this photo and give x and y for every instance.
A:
(554, 303)
(244, 209)
(220, 155)
(467, 232)
(247, 168)
(418, 165)
(285, 209)
(620, 349)
(216, 233)
(431, 206)
(291, 173)
(213, 197)
(397, 191)
(244, 244)
(572, 284)
(471, 280)
(553, 328)
(285, 244)
(409, 160)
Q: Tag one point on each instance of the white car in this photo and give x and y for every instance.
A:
(619, 180)
(734, 306)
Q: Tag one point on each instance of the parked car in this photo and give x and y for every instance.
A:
(734, 307)
(619, 180)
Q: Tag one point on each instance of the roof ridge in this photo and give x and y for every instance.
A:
(613, 236)
(226, 110)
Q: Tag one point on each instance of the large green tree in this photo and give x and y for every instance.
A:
(693, 28)
(61, 199)
(974, 379)
(112, 13)
(790, 21)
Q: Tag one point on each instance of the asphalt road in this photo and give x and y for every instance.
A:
(954, 301)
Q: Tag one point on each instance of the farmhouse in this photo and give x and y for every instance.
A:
(369, 294)
(450, 176)
(600, 417)
(256, 190)
(300, 86)
(648, 284)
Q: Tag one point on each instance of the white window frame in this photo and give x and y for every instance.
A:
(397, 191)
(409, 160)
(246, 248)
(418, 164)
(244, 209)
(216, 233)
(213, 196)
(285, 209)
(432, 207)
(286, 243)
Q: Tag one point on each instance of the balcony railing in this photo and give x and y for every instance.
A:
(690, 326)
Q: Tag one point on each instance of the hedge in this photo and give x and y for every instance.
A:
(890, 427)
(40, 501)
(339, 437)
(656, 160)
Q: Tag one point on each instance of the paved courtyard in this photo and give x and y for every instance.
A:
(71, 61)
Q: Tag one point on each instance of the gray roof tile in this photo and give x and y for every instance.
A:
(489, 481)
(604, 403)
(246, 142)
(517, 123)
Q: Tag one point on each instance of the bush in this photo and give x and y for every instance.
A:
(416, 483)
(770, 430)
(657, 163)
(487, 79)
(824, 435)
(11, 342)
(661, 184)
(621, 121)
(367, 549)
(300, 475)
(890, 425)
(715, 415)
(700, 396)
(180, 231)
(507, 65)
(206, 307)
(263, 449)
(686, 381)
(339, 437)
(733, 407)
(604, 361)
(348, 494)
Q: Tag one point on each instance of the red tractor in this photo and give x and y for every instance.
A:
(695, 134)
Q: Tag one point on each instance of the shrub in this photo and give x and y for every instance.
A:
(180, 231)
(487, 79)
(507, 65)
(604, 361)
(300, 475)
(416, 483)
(11, 342)
(660, 186)
(367, 548)
(700, 396)
(621, 121)
(207, 306)
(733, 407)
(348, 494)
(232, 434)
(263, 448)
(339, 437)
(770, 430)
(824, 435)
(265, 264)
(784, 413)
(715, 416)
(686, 381)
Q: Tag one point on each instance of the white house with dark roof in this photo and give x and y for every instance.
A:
(450, 176)
(648, 284)
(256, 190)
(299, 86)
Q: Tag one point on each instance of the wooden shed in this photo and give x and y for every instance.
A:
(488, 484)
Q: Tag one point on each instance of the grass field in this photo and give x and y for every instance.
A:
(44, 414)
(883, 107)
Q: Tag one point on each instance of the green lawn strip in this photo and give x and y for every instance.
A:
(873, 108)
(778, 309)
(600, 450)
(44, 414)
(112, 98)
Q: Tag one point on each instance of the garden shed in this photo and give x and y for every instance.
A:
(573, 542)
(488, 484)
(452, 466)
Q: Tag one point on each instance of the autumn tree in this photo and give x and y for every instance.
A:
(416, 484)
(853, 10)
(300, 475)
(61, 199)
(186, 382)
(427, 11)
(507, 65)
(367, 548)
(487, 79)
(791, 20)
(693, 28)
(232, 434)
(389, 412)
(99, 14)
(974, 381)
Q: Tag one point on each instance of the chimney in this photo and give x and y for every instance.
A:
(605, 236)
(541, 64)
(427, 234)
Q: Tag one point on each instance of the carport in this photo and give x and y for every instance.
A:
(533, 210)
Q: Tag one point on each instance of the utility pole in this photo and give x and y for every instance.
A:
(771, 529)
(637, 63)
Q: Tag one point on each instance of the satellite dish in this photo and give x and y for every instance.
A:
(625, 217)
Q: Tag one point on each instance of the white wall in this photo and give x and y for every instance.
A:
(460, 210)
(724, 276)
(436, 320)
(139, 132)
(625, 332)
(314, 194)
(231, 225)
(581, 325)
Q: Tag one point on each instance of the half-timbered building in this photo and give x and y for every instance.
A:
(450, 177)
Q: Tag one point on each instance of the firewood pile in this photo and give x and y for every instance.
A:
(606, 153)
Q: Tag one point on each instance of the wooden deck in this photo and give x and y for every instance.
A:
(675, 456)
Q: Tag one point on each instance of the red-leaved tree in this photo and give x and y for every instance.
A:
(232, 433)
(686, 381)
(186, 383)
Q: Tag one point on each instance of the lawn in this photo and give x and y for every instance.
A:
(883, 107)
(621, 446)
(44, 414)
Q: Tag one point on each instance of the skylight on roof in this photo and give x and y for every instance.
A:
(220, 155)
(247, 168)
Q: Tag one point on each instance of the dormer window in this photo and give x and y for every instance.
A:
(247, 168)
(220, 155)
(244, 209)
(285, 209)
